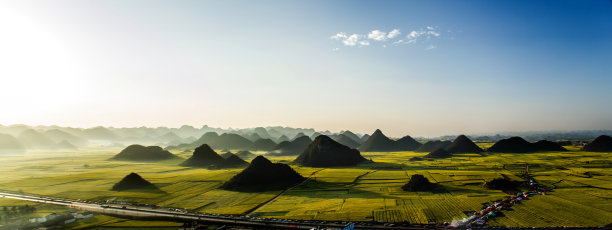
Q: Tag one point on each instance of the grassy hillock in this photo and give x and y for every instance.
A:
(325, 152)
(463, 144)
(132, 181)
(263, 175)
(294, 147)
(602, 143)
(520, 145)
(418, 183)
(142, 153)
(381, 143)
(431, 146)
(439, 153)
(205, 157)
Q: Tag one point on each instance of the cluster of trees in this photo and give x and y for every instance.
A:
(8, 212)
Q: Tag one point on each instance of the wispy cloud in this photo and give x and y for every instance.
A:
(425, 34)
(394, 33)
(392, 37)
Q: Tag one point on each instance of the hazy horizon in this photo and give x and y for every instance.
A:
(408, 68)
(368, 132)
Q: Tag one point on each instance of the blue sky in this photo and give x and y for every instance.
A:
(461, 67)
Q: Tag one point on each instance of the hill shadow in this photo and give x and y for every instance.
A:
(154, 190)
(150, 190)
(382, 166)
(459, 190)
(318, 189)
(364, 165)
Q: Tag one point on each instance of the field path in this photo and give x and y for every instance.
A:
(253, 210)
(359, 177)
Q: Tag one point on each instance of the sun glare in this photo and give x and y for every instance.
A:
(38, 71)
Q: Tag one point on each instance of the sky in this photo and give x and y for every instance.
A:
(420, 68)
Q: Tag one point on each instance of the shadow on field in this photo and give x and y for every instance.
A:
(155, 190)
(322, 189)
(383, 166)
(470, 190)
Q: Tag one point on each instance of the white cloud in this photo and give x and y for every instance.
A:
(352, 40)
(339, 36)
(377, 35)
(394, 33)
(392, 37)
(335, 49)
(414, 35)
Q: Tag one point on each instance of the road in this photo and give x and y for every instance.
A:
(182, 216)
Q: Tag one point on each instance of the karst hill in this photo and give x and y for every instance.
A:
(263, 175)
(325, 152)
(378, 142)
(142, 153)
(132, 181)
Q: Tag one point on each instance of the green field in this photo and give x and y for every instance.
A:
(582, 183)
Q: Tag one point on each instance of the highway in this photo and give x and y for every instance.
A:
(147, 212)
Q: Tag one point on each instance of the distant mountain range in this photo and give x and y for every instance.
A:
(19, 138)
(535, 135)
(47, 136)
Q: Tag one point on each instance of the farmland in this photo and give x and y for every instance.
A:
(371, 191)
